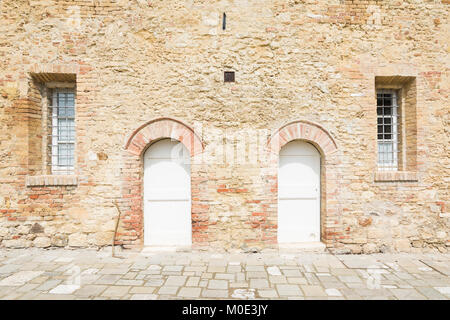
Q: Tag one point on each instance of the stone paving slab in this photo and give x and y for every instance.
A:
(90, 274)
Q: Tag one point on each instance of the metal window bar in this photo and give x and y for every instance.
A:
(387, 130)
(62, 140)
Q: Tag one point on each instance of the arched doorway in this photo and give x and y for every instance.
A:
(298, 193)
(167, 194)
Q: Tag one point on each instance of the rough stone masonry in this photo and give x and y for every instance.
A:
(146, 70)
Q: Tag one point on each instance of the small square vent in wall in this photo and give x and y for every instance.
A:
(229, 76)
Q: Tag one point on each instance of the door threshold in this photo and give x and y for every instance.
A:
(159, 249)
(302, 247)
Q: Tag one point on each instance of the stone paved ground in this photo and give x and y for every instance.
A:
(91, 274)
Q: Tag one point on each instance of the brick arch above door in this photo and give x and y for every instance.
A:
(131, 203)
(331, 231)
(161, 128)
(303, 130)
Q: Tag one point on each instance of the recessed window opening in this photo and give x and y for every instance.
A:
(229, 76)
(62, 131)
(224, 21)
(387, 127)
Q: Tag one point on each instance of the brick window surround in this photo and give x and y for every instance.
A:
(42, 79)
(406, 91)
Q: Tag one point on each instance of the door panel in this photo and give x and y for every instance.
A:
(299, 193)
(167, 194)
(168, 225)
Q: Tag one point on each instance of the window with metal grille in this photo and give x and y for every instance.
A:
(62, 131)
(387, 123)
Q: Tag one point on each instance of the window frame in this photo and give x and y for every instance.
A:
(385, 163)
(55, 139)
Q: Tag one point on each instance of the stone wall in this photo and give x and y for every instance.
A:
(136, 61)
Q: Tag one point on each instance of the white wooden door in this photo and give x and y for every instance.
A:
(167, 195)
(299, 193)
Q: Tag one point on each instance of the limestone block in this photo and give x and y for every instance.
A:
(59, 240)
(30, 236)
(103, 238)
(89, 227)
(16, 243)
(4, 232)
(376, 233)
(50, 230)
(441, 234)
(402, 245)
(69, 228)
(108, 226)
(354, 248)
(370, 248)
(78, 240)
(23, 229)
(42, 242)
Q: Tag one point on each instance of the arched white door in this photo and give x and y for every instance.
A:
(167, 195)
(299, 193)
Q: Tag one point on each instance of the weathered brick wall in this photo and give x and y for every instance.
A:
(136, 61)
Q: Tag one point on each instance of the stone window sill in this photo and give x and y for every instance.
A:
(51, 180)
(396, 176)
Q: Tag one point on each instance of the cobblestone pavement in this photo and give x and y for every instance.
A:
(91, 274)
